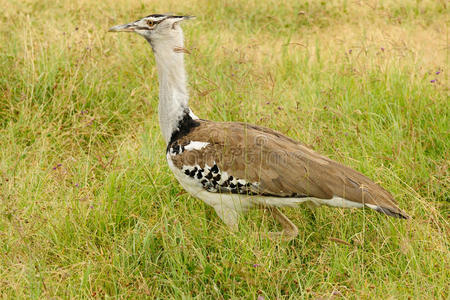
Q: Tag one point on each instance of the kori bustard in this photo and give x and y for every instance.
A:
(236, 166)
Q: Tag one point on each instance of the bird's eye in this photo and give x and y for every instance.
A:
(150, 23)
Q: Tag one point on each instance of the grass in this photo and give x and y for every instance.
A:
(89, 208)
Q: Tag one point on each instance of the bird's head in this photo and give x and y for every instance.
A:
(155, 27)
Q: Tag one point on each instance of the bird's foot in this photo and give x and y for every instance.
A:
(280, 236)
(289, 232)
(284, 236)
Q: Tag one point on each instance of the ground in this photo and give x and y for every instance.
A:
(89, 208)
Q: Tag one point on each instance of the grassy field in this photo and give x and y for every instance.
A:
(89, 208)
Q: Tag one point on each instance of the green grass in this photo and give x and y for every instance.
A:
(89, 208)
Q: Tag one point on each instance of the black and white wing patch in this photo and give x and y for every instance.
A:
(211, 178)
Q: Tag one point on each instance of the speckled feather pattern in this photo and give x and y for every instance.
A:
(212, 178)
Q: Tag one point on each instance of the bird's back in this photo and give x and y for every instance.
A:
(261, 161)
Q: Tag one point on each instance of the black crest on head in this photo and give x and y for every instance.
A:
(156, 16)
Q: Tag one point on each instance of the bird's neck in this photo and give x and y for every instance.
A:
(173, 95)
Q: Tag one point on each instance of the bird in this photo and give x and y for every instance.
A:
(236, 166)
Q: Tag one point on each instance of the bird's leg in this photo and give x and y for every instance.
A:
(229, 216)
(289, 232)
(311, 205)
(312, 208)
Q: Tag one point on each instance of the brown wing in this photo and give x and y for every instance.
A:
(281, 166)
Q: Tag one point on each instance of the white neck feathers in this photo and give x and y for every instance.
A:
(173, 94)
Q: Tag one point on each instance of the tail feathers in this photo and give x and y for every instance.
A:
(390, 211)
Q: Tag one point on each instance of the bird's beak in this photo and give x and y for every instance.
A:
(125, 27)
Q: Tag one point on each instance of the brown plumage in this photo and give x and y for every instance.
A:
(282, 166)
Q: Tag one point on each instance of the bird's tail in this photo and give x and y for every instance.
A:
(390, 211)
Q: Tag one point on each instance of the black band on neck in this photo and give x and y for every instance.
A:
(184, 126)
